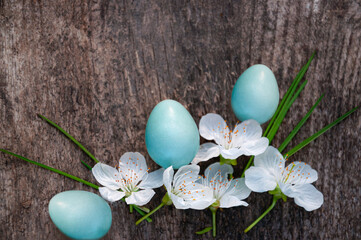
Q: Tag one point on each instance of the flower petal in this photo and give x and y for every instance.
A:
(185, 175)
(206, 152)
(141, 197)
(231, 201)
(154, 180)
(216, 171)
(255, 147)
(249, 130)
(272, 161)
(111, 195)
(259, 179)
(299, 173)
(248, 148)
(232, 153)
(305, 195)
(178, 202)
(196, 197)
(238, 189)
(168, 178)
(107, 176)
(201, 204)
(132, 164)
(213, 127)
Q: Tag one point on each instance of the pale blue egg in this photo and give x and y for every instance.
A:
(80, 214)
(255, 94)
(171, 135)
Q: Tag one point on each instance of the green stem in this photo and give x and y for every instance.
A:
(139, 210)
(214, 223)
(144, 209)
(70, 137)
(141, 213)
(264, 214)
(250, 161)
(149, 214)
(319, 133)
(52, 169)
(86, 165)
(131, 208)
(223, 160)
(207, 229)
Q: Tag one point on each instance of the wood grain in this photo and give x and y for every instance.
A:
(97, 68)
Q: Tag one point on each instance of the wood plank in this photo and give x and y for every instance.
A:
(97, 68)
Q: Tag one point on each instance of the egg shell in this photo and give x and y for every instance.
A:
(80, 214)
(255, 94)
(171, 135)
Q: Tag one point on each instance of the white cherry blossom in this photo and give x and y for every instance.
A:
(269, 172)
(227, 192)
(130, 180)
(183, 189)
(245, 139)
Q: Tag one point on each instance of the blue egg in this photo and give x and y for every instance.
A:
(80, 214)
(255, 94)
(171, 135)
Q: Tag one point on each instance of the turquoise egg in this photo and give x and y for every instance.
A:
(171, 135)
(80, 214)
(255, 94)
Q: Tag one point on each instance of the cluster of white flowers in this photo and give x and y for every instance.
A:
(186, 189)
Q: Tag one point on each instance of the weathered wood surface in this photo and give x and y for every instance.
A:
(99, 67)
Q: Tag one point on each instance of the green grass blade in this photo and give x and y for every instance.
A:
(86, 165)
(136, 208)
(207, 229)
(299, 125)
(283, 113)
(280, 106)
(284, 106)
(52, 169)
(319, 133)
(70, 137)
(277, 122)
(293, 99)
(289, 92)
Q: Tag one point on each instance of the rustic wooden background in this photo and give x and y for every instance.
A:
(99, 67)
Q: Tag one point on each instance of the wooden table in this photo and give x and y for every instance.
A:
(98, 68)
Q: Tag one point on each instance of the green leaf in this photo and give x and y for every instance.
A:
(299, 125)
(70, 137)
(86, 165)
(319, 133)
(52, 169)
(207, 229)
